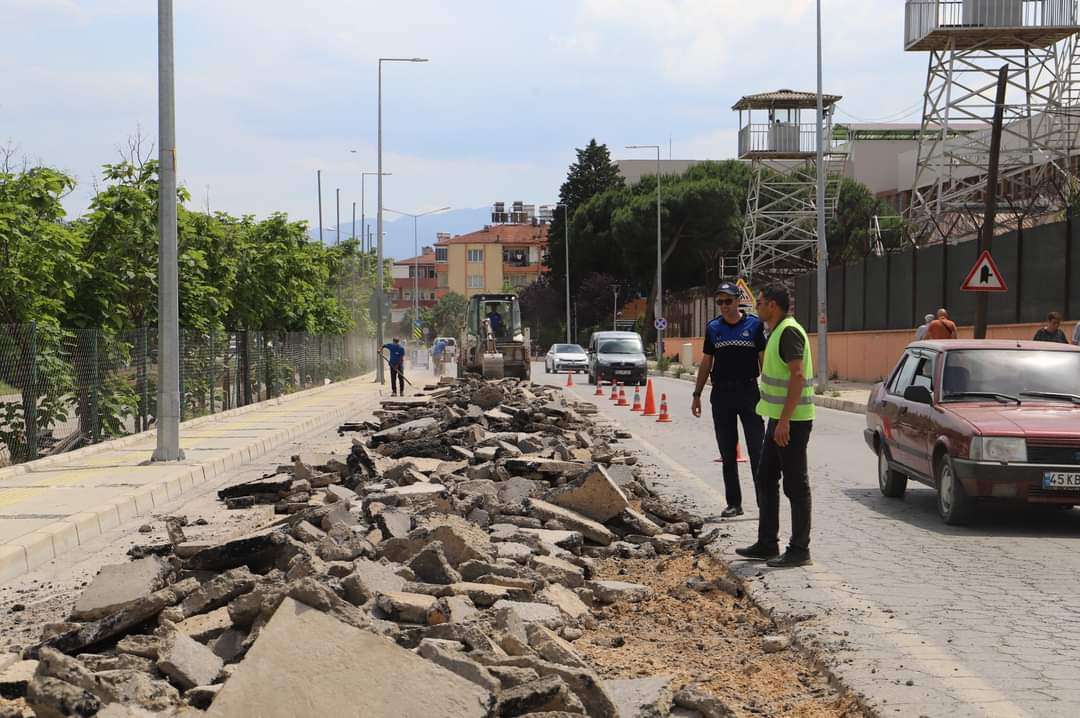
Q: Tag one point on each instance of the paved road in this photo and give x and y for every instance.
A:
(922, 618)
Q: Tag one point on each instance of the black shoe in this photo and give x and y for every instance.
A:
(791, 559)
(758, 552)
(731, 511)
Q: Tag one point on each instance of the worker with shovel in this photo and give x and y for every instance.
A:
(396, 361)
(734, 342)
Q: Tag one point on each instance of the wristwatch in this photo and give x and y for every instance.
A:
(697, 394)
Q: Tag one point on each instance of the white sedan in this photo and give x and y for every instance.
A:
(566, 357)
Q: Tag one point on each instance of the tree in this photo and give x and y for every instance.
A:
(448, 314)
(542, 309)
(848, 229)
(593, 173)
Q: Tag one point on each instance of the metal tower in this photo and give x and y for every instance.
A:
(969, 41)
(780, 223)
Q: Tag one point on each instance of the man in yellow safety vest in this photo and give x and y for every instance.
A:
(787, 402)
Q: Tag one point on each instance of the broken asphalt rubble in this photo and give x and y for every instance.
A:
(444, 568)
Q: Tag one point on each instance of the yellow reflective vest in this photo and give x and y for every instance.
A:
(775, 375)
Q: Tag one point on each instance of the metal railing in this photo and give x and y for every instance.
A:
(778, 138)
(63, 388)
(921, 17)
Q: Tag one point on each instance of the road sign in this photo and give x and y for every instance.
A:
(660, 324)
(746, 297)
(985, 276)
(417, 331)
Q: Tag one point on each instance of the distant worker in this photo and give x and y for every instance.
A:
(732, 351)
(397, 366)
(496, 321)
(438, 353)
(787, 401)
(920, 333)
(942, 327)
(1051, 331)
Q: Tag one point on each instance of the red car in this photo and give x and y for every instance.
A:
(980, 419)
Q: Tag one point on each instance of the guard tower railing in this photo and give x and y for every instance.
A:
(933, 24)
(785, 139)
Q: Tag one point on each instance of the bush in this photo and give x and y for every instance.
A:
(662, 364)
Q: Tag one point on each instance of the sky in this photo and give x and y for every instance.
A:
(270, 91)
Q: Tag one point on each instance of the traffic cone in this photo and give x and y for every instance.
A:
(664, 417)
(637, 400)
(650, 402)
(622, 397)
(570, 378)
(739, 458)
(599, 387)
(614, 390)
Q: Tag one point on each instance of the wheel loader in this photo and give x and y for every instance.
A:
(494, 343)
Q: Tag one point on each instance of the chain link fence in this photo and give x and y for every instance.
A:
(65, 388)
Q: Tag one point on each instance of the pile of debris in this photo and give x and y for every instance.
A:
(445, 568)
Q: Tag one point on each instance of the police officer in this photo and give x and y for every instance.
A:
(787, 401)
(733, 345)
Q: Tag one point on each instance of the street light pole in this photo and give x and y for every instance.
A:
(168, 413)
(614, 306)
(380, 374)
(337, 217)
(822, 245)
(416, 254)
(566, 251)
(659, 256)
(365, 236)
(354, 221)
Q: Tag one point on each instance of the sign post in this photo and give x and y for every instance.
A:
(746, 296)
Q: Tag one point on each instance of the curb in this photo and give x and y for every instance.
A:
(827, 402)
(29, 551)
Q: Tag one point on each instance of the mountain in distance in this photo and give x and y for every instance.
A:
(398, 243)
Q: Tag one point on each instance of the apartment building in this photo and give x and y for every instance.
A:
(497, 258)
(409, 275)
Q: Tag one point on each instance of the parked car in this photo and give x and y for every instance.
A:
(617, 356)
(566, 357)
(978, 419)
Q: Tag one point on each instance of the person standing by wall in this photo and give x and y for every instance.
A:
(1051, 331)
(942, 327)
(787, 401)
(733, 345)
(920, 333)
(396, 360)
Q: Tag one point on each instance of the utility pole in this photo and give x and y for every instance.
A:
(337, 217)
(354, 221)
(615, 306)
(318, 183)
(822, 245)
(986, 236)
(566, 251)
(168, 413)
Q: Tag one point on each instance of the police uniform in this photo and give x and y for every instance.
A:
(734, 397)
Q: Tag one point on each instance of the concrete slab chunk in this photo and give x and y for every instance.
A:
(572, 520)
(641, 697)
(612, 591)
(119, 585)
(187, 661)
(594, 495)
(308, 663)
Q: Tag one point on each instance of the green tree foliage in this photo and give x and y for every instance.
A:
(448, 314)
(543, 310)
(592, 174)
(848, 230)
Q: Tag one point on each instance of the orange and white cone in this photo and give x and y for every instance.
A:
(599, 387)
(650, 402)
(570, 377)
(614, 390)
(664, 417)
(622, 397)
(740, 458)
(637, 400)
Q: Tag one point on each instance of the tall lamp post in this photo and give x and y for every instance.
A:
(416, 254)
(566, 251)
(823, 247)
(380, 374)
(363, 205)
(659, 257)
(168, 413)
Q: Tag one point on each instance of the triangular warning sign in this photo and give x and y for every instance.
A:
(746, 297)
(984, 276)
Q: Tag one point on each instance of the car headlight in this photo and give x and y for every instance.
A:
(999, 448)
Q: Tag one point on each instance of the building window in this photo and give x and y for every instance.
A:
(476, 281)
(441, 255)
(475, 256)
(516, 257)
(444, 279)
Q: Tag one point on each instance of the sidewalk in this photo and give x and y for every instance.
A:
(50, 506)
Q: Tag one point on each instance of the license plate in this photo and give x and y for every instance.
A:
(622, 372)
(1061, 480)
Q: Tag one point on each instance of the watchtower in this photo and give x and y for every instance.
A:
(779, 137)
(969, 41)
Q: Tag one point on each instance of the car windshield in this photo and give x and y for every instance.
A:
(1013, 372)
(621, 346)
(568, 349)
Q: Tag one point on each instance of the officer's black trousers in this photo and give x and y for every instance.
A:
(733, 402)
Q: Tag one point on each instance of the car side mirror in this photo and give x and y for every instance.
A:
(918, 394)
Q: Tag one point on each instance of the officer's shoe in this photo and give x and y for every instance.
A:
(731, 511)
(757, 552)
(791, 559)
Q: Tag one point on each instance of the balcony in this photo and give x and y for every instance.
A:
(988, 24)
(778, 140)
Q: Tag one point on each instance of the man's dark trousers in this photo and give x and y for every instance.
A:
(789, 461)
(733, 401)
(397, 378)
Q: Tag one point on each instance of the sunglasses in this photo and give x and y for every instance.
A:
(725, 302)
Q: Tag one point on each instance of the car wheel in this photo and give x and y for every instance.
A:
(954, 505)
(891, 482)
